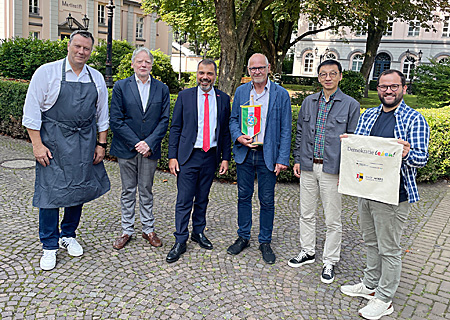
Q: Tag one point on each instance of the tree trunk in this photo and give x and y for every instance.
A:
(235, 39)
(375, 32)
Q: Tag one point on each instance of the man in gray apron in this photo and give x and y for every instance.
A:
(66, 103)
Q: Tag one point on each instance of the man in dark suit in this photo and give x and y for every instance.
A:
(140, 107)
(199, 139)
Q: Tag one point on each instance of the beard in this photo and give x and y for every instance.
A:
(394, 103)
(204, 87)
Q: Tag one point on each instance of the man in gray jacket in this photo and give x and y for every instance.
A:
(322, 118)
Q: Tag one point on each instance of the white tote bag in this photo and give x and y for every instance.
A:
(370, 168)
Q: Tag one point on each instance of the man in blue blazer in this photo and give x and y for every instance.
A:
(199, 140)
(140, 108)
(265, 159)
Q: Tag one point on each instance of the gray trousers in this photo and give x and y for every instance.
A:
(382, 227)
(137, 172)
(312, 184)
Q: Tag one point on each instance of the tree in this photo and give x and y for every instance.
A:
(374, 17)
(432, 84)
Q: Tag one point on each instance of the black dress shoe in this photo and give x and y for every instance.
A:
(267, 253)
(202, 240)
(175, 253)
(239, 245)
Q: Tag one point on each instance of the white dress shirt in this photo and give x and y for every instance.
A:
(212, 117)
(144, 90)
(263, 100)
(44, 87)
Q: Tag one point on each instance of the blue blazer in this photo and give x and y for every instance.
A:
(184, 128)
(130, 124)
(277, 136)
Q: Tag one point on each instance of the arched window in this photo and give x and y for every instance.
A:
(382, 62)
(330, 56)
(309, 61)
(357, 62)
(444, 60)
(408, 66)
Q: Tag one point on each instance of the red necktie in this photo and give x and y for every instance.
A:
(206, 125)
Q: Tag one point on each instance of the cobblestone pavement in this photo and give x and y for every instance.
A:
(136, 282)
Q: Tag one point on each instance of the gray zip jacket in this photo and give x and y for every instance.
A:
(342, 118)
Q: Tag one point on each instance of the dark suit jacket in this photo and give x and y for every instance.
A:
(183, 131)
(130, 124)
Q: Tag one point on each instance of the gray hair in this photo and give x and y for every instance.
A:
(84, 33)
(140, 49)
(267, 61)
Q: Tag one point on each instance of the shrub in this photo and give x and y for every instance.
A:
(352, 84)
(432, 84)
(12, 97)
(161, 70)
(20, 57)
(120, 48)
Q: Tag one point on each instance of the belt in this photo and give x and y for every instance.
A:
(257, 148)
(319, 161)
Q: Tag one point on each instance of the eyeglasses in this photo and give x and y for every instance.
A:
(394, 87)
(260, 69)
(332, 74)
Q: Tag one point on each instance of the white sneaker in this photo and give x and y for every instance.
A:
(72, 246)
(375, 309)
(48, 260)
(358, 290)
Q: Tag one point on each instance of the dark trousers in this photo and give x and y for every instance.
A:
(194, 182)
(48, 225)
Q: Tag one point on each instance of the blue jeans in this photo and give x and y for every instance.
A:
(48, 225)
(254, 163)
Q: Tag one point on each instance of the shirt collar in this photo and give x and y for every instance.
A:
(266, 87)
(69, 68)
(139, 80)
(322, 96)
(200, 92)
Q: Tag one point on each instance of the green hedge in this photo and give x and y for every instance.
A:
(12, 97)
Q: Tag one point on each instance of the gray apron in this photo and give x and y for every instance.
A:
(69, 131)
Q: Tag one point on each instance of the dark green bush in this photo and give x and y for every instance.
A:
(432, 84)
(352, 84)
(20, 57)
(12, 97)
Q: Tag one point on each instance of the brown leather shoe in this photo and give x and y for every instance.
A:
(121, 241)
(152, 238)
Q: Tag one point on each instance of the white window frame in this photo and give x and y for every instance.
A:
(357, 62)
(101, 14)
(308, 63)
(312, 26)
(139, 27)
(446, 27)
(33, 6)
(390, 27)
(409, 65)
(414, 28)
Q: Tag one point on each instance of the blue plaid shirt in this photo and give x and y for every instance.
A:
(321, 122)
(410, 126)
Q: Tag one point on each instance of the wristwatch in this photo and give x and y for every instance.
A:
(103, 145)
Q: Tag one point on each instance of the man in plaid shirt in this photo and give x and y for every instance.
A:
(382, 224)
(323, 117)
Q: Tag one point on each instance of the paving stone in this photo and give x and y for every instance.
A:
(137, 283)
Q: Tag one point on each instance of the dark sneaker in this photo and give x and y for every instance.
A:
(327, 273)
(239, 245)
(301, 259)
(267, 253)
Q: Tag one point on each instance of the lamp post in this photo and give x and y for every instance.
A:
(412, 67)
(108, 72)
(324, 55)
(180, 39)
(71, 19)
(206, 47)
